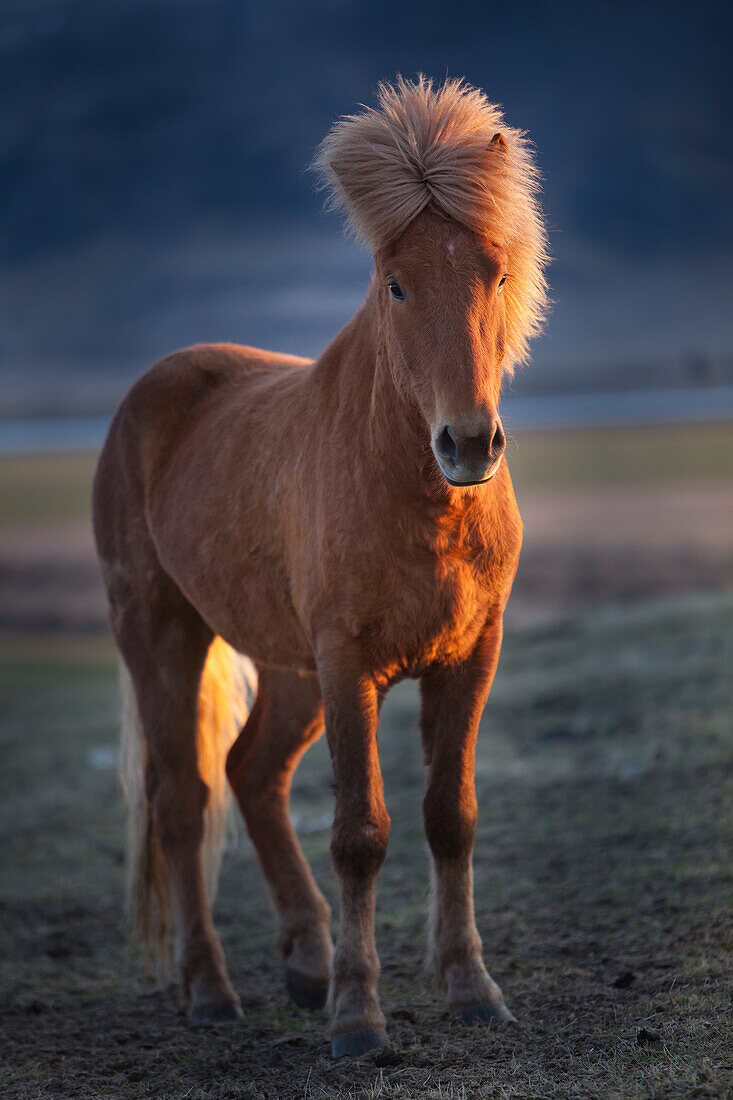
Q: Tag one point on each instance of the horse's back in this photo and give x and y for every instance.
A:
(219, 362)
(176, 392)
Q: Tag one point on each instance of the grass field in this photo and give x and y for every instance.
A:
(604, 886)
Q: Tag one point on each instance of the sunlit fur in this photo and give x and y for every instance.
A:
(424, 144)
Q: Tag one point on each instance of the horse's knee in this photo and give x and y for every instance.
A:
(358, 846)
(450, 823)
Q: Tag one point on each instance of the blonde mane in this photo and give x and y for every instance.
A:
(424, 144)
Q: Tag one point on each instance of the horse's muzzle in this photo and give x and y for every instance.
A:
(470, 457)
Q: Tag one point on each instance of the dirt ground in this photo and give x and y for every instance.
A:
(604, 885)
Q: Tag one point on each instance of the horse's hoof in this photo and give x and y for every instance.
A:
(485, 1013)
(217, 1013)
(306, 992)
(359, 1042)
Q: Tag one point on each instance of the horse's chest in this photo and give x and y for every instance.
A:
(429, 609)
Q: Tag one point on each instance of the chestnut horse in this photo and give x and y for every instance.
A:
(343, 523)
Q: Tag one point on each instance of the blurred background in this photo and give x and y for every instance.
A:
(154, 192)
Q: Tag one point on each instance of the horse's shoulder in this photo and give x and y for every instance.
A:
(242, 357)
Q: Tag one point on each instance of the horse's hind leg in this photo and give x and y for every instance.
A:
(286, 719)
(164, 643)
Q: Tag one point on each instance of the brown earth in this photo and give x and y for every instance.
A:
(603, 885)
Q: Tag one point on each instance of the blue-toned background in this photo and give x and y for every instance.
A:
(154, 189)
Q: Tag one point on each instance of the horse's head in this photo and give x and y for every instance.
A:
(442, 305)
(446, 195)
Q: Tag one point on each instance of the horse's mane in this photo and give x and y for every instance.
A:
(424, 144)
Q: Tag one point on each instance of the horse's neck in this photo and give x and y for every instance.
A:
(387, 436)
(382, 423)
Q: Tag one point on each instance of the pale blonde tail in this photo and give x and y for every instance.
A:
(227, 686)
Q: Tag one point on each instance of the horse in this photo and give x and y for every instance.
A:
(340, 523)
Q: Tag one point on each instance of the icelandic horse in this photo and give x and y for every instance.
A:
(343, 523)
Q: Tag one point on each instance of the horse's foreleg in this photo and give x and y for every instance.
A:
(453, 700)
(358, 845)
(287, 717)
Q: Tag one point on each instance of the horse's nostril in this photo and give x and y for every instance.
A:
(446, 444)
(498, 443)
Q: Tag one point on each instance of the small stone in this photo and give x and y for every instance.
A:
(645, 1037)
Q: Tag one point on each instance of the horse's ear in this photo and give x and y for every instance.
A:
(498, 142)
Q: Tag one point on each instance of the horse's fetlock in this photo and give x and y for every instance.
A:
(463, 961)
(201, 960)
(360, 972)
(470, 986)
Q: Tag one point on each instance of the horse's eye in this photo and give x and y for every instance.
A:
(502, 280)
(396, 290)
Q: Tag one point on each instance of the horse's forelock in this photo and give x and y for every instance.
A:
(449, 146)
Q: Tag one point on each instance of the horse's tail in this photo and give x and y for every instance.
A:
(227, 684)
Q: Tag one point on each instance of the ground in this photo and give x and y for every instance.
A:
(604, 888)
